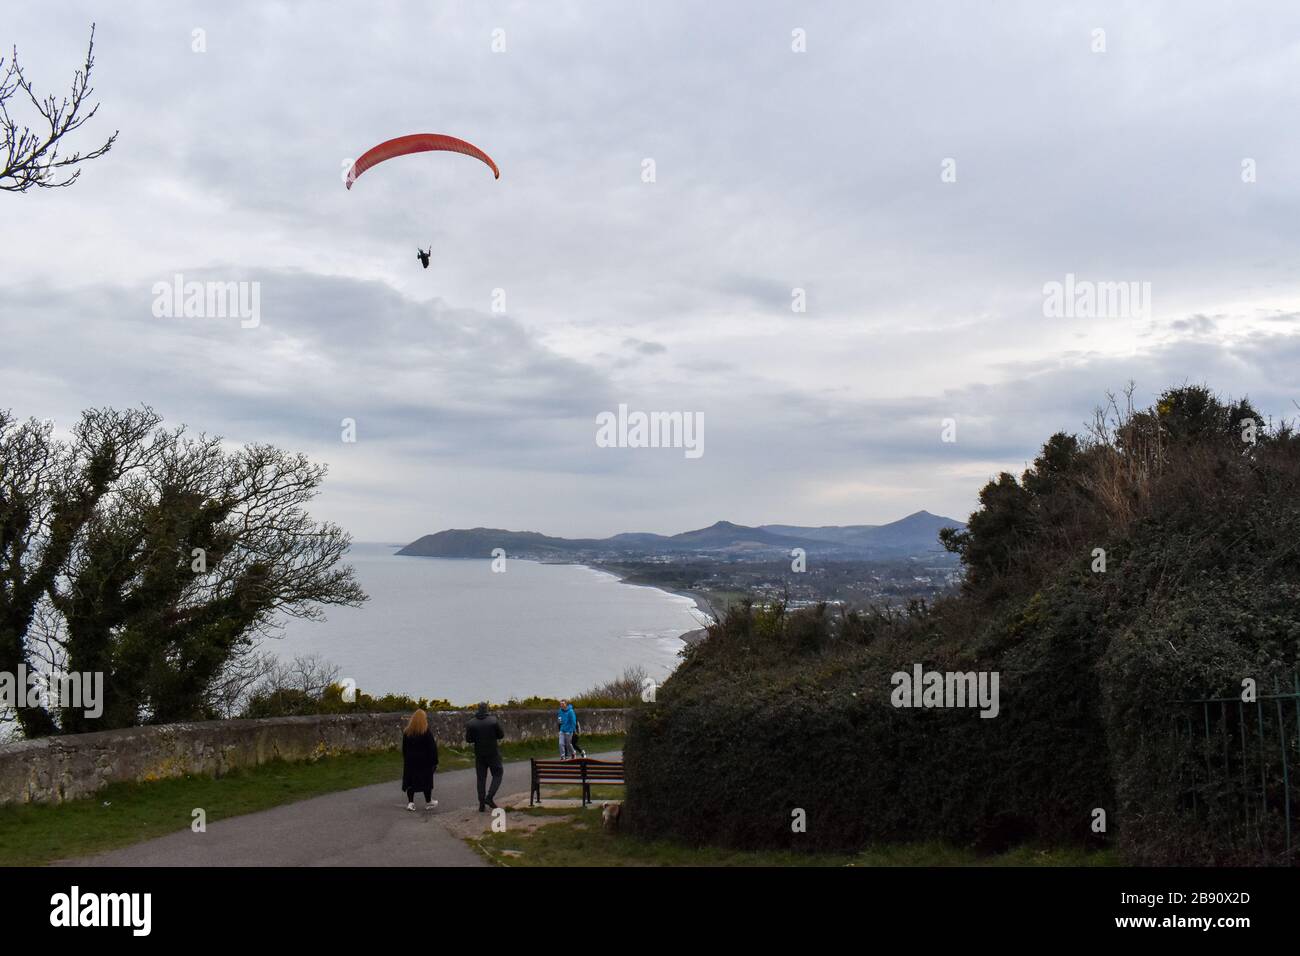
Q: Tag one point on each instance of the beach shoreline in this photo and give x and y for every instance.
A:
(703, 606)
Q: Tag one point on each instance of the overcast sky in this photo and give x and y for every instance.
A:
(775, 170)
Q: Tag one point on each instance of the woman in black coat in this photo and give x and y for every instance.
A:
(419, 760)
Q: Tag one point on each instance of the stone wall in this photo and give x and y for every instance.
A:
(54, 769)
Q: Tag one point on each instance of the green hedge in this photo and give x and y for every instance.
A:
(744, 734)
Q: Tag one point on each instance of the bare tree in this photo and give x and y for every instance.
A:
(311, 674)
(31, 155)
(626, 688)
(252, 672)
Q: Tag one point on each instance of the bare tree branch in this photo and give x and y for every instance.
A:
(30, 156)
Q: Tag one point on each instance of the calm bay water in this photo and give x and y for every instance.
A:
(453, 629)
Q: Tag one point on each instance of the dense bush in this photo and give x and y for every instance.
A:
(294, 702)
(310, 686)
(1199, 520)
(794, 712)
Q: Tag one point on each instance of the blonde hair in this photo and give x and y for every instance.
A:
(418, 724)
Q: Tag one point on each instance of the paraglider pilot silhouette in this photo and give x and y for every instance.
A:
(417, 143)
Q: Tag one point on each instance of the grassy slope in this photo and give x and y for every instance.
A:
(576, 838)
(121, 814)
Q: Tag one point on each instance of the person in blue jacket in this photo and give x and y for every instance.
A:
(568, 724)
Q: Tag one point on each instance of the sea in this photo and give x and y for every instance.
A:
(457, 630)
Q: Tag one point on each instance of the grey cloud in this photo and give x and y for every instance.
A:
(775, 170)
(645, 348)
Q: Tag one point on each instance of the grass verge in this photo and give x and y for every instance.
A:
(575, 837)
(126, 813)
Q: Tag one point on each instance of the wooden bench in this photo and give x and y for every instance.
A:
(581, 771)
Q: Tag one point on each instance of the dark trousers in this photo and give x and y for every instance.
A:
(410, 796)
(481, 768)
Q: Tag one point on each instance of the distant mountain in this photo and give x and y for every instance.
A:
(480, 542)
(916, 532)
(724, 534)
(826, 532)
(917, 535)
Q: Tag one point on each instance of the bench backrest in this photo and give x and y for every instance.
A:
(565, 771)
(584, 771)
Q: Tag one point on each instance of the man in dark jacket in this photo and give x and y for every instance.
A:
(483, 731)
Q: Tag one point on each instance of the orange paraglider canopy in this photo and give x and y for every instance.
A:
(417, 143)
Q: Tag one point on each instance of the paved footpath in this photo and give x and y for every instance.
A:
(368, 826)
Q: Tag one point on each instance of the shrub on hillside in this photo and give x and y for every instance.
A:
(1194, 506)
(308, 685)
(293, 702)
